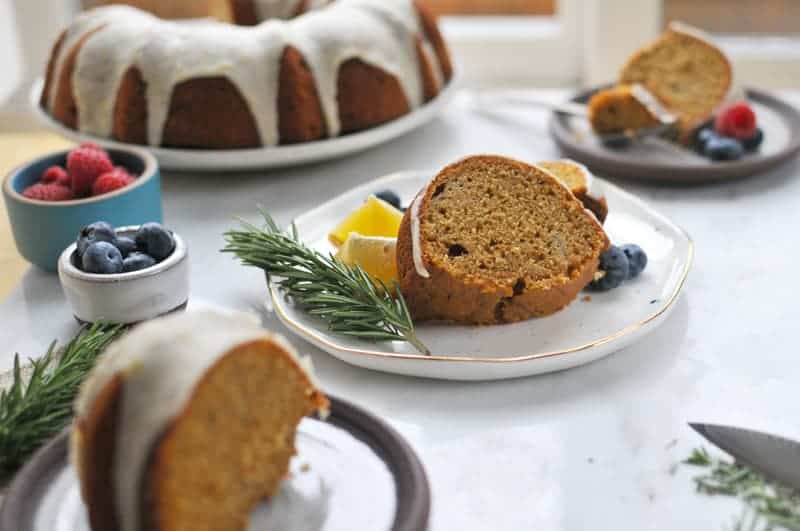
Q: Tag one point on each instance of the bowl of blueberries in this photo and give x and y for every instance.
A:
(125, 274)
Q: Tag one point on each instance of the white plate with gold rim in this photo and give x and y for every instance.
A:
(593, 326)
(265, 157)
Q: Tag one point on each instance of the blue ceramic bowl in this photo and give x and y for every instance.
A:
(43, 229)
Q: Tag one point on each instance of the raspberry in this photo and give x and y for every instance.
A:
(112, 180)
(737, 120)
(56, 174)
(84, 165)
(48, 192)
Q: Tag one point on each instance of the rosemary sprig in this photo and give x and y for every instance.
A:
(776, 505)
(38, 403)
(349, 300)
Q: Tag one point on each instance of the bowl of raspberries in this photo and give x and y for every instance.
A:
(124, 274)
(49, 199)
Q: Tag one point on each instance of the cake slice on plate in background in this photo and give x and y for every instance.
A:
(688, 74)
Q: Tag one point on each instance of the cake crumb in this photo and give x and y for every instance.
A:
(305, 467)
(587, 298)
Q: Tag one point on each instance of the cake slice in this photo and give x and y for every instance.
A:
(581, 183)
(625, 108)
(688, 74)
(188, 422)
(495, 240)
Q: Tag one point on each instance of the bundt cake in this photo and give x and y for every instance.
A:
(685, 71)
(581, 183)
(494, 240)
(188, 422)
(625, 108)
(118, 72)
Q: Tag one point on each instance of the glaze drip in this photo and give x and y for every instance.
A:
(416, 238)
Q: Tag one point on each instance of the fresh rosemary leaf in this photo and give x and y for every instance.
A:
(350, 301)
(38, 403)
(699, 457)
(774, 505)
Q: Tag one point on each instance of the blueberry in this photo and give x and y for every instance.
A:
(99, 231)
(614, 265)
(155, 240)
(637, 259)
(136, 261)
(125, 245)
(723, 148)
(103, 258)
(702, 138)
(390, 197)
(754, 142)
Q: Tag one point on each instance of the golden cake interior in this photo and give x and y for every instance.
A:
(193, 492)
(228, 450)
(500, 221)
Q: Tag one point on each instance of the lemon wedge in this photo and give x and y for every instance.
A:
(375, 254)
(374, 218)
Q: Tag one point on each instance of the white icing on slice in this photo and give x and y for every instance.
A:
(381, 33)
(162, 361)
(416, 238)
(653, 106)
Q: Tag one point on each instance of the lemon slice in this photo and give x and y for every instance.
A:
(375, 254)
(374, 218)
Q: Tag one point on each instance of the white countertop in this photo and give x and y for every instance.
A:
(588, 448)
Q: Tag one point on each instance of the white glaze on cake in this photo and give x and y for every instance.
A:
(162, 361)
(382, 33)
(416, 238)
(651, 103)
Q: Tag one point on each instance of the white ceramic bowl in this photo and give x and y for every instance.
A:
(127, 297)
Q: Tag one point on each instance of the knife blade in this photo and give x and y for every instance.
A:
(776, 458)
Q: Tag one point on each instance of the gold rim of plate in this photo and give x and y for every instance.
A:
(315, 336)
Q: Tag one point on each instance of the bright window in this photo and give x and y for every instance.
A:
(583, 42)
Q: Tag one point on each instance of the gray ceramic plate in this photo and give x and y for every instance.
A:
(351, 457)
(659, 160)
